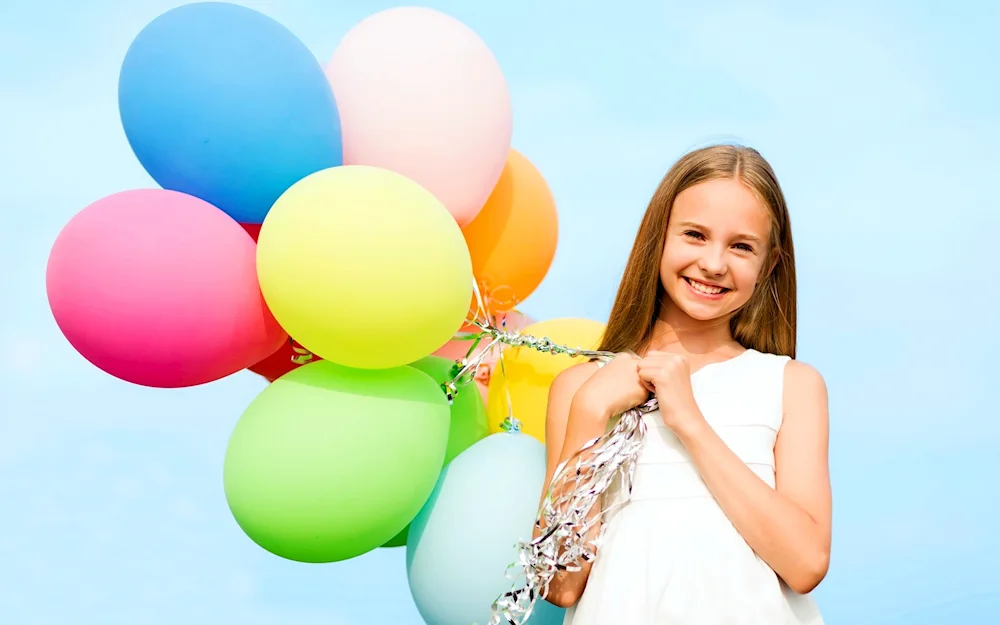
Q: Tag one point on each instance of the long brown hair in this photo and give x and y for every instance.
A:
(766, 322)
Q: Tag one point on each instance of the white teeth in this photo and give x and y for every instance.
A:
(704, 288)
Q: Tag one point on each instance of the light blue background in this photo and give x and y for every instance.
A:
(883, 122)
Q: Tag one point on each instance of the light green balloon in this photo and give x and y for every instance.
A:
(330, 462)
(469, 423)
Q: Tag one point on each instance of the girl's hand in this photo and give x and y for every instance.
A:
(669, 377)
(613, 389)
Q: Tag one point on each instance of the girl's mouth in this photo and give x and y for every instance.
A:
(706, 290)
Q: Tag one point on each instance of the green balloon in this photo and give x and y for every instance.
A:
(330, 462)
(399, 540)
(469, 423)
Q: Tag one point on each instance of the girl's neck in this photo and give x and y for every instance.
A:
(676, 332)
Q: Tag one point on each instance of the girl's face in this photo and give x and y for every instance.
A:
(717, 246)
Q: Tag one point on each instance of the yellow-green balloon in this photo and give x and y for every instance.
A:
(468, 418)
(364, 267)
(330, 462)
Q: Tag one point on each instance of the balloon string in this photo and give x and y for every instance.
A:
(510, 422)
(500, 337)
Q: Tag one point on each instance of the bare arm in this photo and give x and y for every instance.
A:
(789, 526)
(569, 425)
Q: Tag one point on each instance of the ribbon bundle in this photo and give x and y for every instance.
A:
(576, 501)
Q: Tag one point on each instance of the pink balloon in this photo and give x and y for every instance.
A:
(419, 93)
(457, 349)
(159, 288)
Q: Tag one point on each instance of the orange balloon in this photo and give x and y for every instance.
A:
(512, 241)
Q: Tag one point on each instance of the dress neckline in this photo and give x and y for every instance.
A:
(713, 365)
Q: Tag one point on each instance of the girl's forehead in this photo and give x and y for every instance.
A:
(723, 205)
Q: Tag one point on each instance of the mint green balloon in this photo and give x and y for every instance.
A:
(469, 423)
(330, 462)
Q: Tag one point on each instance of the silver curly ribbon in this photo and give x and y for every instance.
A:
(578, 499)
(497, 337)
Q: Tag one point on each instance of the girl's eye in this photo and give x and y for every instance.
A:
(694, 234)
(744, 247)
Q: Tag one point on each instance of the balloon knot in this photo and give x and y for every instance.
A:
(302, 355)
(511, 425)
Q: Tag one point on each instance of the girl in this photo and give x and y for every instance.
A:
(729, 518)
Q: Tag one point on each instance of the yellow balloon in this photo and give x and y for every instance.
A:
(526, 374)
(364, 267)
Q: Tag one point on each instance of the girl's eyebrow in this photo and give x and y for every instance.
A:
(750, 237)
(691, 224)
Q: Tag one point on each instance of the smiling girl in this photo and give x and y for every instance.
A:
(728, 521)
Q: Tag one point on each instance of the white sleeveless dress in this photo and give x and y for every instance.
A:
(670, 555)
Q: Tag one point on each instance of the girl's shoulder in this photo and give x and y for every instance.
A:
(804, 392)
(570, 379)
(796, 375)
(803, 376)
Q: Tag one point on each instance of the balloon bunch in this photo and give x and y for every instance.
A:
(323, 225)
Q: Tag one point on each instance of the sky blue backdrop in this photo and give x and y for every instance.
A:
(882, 120)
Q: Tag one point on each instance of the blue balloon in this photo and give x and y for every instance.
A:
(464, 538)
(224, 103)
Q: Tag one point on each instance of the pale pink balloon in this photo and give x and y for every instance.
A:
(419, 93)
(457, 349)
(159, 288)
